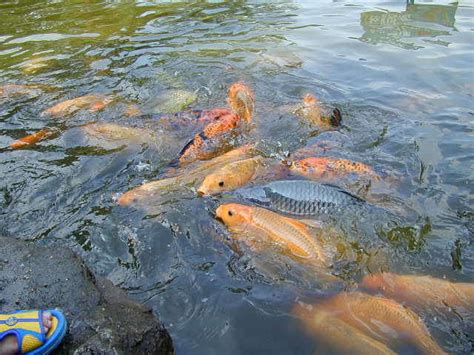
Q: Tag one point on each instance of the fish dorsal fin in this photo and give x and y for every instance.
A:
(344, 192)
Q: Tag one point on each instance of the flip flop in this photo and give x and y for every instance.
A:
(29, 330)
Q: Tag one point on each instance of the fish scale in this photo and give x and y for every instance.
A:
(303, 198)
(277, 226)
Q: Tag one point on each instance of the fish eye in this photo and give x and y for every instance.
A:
(221, 183)
(230, 213)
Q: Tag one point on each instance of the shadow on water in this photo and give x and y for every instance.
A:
(418, 20)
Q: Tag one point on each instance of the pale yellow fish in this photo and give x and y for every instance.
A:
(422, 290)
(188, 176)
(92, 102)
(14, 89)
(382, 319)
(115, 132)
(336, 334)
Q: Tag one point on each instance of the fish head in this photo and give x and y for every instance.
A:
(310, 100)
(241, 100)
(215, 183)
(234, 214)
(313, 167)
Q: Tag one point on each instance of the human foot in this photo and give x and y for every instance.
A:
(9, 344)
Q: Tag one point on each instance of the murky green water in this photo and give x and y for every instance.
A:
(401, 74)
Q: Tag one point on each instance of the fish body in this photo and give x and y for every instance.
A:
(422, 290)
(338, 335)
(174, 100)
(202, 146)
(16, 89)
(381, 318)
(175, 178)
(231, 176)
(303, 198)
(32, 138)
(330, 168)
(312, 111)
(242, 100)
(93, 102)
(252, 223)
(116, 132)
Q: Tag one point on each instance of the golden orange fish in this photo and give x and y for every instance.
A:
(336, 334)
(231, 176)
(329, 168)
(201, 147)
(93, 102)
(254, 225)
(382, 319)
(312, 111)
(190, 176)
(32, 138)
(422, 290)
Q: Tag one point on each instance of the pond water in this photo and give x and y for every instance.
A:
(401, 74)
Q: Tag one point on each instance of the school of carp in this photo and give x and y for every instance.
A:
(285, 198)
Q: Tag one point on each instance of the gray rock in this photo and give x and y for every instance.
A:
(101, 318)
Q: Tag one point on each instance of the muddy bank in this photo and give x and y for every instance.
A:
(102, 319)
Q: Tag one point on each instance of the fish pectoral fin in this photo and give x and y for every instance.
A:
(312, 223)
(298, 224)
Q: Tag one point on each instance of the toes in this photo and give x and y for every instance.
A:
(47, 321)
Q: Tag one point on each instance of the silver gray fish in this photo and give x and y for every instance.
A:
(303, 198)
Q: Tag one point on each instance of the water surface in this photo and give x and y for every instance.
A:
(401, 74)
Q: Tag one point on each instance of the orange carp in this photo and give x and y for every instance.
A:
(32, 138)
(380, 318)
(336, 334)
(231, 176)
(256, 226)
(93, 102)
(312, 111)
(322, 168)
(422, 290)
(201, 147)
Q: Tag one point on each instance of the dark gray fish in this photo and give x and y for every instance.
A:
(303, 198)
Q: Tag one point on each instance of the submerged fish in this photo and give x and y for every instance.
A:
(422, 290)
(175, 178)
(312, 111)
(254, 225)
(116, 132)
(303, 198)
(202, 146)
(16, 89)
(231, 176)
(330, 168)
(382, 319)
(336, 334)
(174, 100)
(93, 102)
(32, 138)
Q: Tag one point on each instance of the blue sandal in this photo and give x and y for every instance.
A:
(29, 330)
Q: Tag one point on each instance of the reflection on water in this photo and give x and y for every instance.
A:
(214, 296)
(418, 20)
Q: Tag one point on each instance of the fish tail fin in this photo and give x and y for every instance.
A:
(336, 117)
